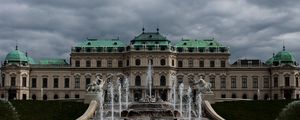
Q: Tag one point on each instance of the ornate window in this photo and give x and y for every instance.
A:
(45, 82)
(244, 82)
(77, 82)
(223, 63)
(138, 81)
(180, 64)
(109, 63)
(87, 82)
(13, 81)
(191, 63)
(88, 63)
(33, 82)
(99, 63)
(77, 63)
(212, 82)
(24, 81)
(137, 62)
(275, 79)
(287, 81)
(223, 82)
(55, 83)
(201, 63)
(162, 62)
(67, 82)
(212, 63)
(233, 82)
(266, 82)
(255, 82)
(120, 63)
(3, 80)
(162, 80)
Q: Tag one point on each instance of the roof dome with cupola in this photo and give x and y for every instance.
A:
(16, 56)
(281, 58)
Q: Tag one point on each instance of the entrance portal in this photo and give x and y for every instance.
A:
(288, 94)
(12, 94)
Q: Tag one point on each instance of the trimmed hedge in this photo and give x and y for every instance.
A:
(44, 110)
(250, 110)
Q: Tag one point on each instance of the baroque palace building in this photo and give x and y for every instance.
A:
(188, 59)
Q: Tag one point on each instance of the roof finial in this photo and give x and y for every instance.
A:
(143, 29)
(283, 46)
(26, 54)
(273, 54)
(157, 30)
(16, 44)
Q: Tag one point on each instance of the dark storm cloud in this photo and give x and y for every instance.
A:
(47, 29)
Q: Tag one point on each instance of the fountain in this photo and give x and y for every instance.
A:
(149, 79)
(127, 92)
(120, 98)
(189, 92)
(199, 104)
(181, 86)
(148, 107)
(174, 85)
(111, 87)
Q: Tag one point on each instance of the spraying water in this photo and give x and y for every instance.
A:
(180, 95)
(189, 103)
(101, 100)
(120, 98)
(127, 92)
(149, 77)
(112, 99)
(199, 105)
(174, 90)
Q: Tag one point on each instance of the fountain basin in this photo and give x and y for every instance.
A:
(161, 110)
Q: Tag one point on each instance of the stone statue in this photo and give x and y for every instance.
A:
(202, 86)
(96, 85)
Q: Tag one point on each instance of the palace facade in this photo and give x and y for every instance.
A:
(188, 59)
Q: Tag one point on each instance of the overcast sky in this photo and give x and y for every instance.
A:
(48, 29)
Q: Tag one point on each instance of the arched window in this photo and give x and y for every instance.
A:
(244, 96)
(233, 95)
(162, 80)
(66, 96)
(162, 62)
(266, 97)
(137, 62)
(45, 97)
(255, 97)
(55, 96)
(33, 97)
(138, 81)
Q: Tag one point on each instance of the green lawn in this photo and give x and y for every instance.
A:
(250, 110)
(43, 110)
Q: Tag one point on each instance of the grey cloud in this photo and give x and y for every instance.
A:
(252, 28)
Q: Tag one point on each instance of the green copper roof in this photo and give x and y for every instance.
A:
(270, 61)
(282, 57)
(31, 60)
(101, 43)
(53, 62)
(16, 56)
(150, 36)
(198, 43)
